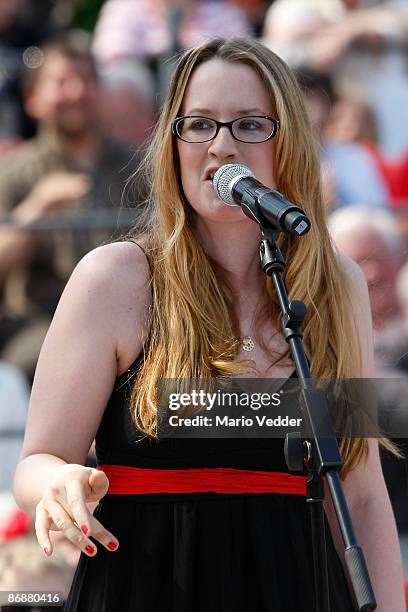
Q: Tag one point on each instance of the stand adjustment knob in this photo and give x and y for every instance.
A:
(294, 451)
(297, 311)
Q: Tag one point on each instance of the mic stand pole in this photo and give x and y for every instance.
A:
(319, 451)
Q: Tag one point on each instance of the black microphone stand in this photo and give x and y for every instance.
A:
(319, 451)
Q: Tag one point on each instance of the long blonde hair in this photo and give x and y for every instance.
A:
(192, 333)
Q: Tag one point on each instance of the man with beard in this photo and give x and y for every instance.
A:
(67, 174)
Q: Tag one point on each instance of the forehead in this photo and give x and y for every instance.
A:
(57, 65)
(363, 244)
(223, 87)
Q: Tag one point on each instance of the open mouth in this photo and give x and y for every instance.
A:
(210, 174)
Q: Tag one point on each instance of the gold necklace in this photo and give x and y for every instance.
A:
(248, 344)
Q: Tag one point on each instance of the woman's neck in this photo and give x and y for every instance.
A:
(235, 248)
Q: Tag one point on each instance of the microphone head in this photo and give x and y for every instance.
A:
(225, 179)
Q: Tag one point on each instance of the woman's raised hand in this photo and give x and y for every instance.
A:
(63, 508)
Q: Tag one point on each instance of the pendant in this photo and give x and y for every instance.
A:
(247, 343)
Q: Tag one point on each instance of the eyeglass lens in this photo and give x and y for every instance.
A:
(246, 129)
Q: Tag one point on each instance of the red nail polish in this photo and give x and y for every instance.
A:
(84, 529)
(112, 546)
(46, 551)
(90, 550)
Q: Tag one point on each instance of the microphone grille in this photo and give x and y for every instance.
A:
(223, 180)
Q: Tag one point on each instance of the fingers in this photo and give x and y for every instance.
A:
(99, 485)
(63, 521)
(75, 504)
(63, 507)
(73, 188)
(102, 535)
(78, 509)
(59, 190)
(42, 529)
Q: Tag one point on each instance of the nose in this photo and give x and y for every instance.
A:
(371, 271)
(75, 89)
(224, 145)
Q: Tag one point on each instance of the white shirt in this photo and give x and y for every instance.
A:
(14, 396)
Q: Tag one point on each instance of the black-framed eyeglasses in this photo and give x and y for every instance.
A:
(251, 129)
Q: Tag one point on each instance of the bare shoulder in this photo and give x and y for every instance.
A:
(112, 263)
(97, 332)
(360, 303)
(356, 285)
(111, 286)
(353, 274)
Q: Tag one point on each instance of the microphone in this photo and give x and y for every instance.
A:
(235, 184)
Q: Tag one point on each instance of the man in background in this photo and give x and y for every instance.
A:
(372, 239)
(66, 177)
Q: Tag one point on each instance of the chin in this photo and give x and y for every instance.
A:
(74, 125)
(215, 208)
(222, 215)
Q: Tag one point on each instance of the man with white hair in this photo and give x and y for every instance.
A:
(372, 239)
(128, 105)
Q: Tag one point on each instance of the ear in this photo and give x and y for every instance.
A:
(33, 104)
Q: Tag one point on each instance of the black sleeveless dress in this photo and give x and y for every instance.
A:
(199, 552)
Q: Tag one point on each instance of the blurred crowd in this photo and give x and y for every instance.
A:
(81, 83)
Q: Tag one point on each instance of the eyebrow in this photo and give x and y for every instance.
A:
(242, 112)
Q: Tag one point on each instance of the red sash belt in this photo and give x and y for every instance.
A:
(125, 480)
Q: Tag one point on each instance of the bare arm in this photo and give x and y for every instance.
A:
(97, 331)
(54, 192)
(364, 486)
(16, 248)
(376, 532)
(329, 44)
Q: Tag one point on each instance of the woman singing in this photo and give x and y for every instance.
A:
(170, 531)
